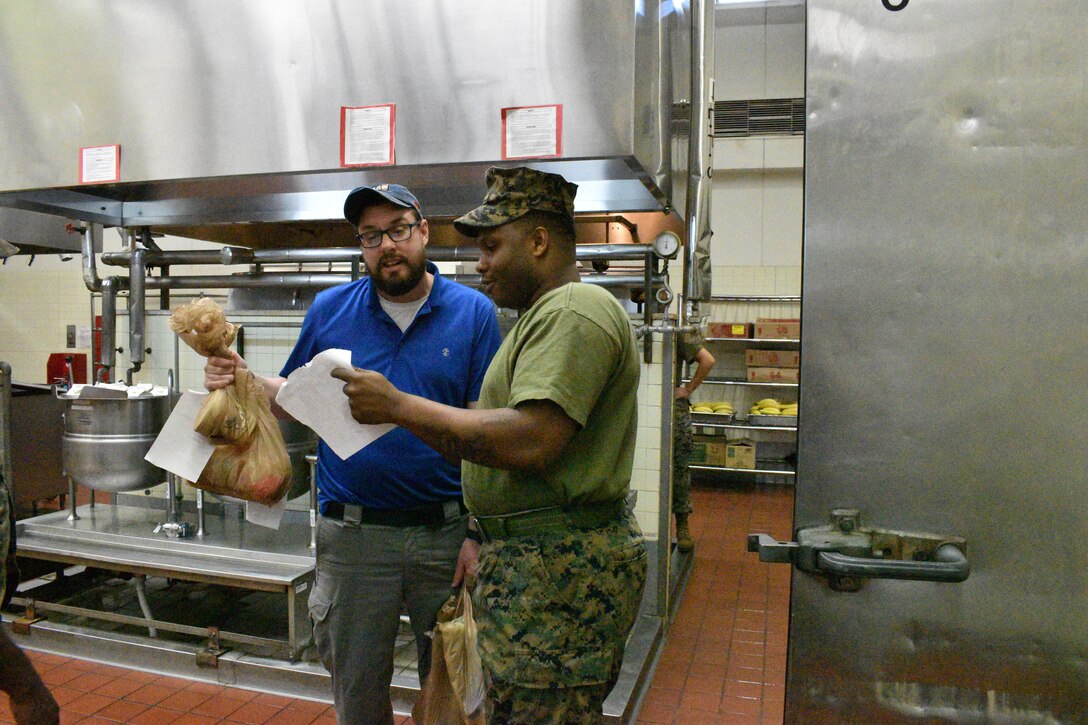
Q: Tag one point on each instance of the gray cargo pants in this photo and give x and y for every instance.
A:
(364, 575)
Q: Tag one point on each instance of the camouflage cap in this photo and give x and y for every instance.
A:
(513, 193)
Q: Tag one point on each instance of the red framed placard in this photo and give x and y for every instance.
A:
(100, 164)
(368, 135)
(532, 132)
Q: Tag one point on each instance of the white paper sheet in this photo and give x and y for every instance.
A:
(179, 449)
(267, 516)
(313, 397)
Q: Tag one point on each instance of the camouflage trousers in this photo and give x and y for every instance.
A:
(681, 455)
(554, 610)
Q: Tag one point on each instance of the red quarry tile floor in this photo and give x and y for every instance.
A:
(724, 660)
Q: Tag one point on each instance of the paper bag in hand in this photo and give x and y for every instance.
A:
(454, 691)
(250, 460)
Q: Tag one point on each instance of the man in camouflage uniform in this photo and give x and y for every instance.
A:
(31, 702)
(691, 348)
(547, 461)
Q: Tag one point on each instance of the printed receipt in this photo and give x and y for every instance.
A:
(315, 398)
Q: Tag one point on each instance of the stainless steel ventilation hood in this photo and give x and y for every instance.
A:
(229, 113)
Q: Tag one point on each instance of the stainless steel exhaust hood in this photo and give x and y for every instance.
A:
(230, 112)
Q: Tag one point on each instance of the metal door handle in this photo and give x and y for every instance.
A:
(848, 553)
(949, 564)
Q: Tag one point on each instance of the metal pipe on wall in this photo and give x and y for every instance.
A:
(697, 207)
(137, 277)
(107, 352)
(90, 271)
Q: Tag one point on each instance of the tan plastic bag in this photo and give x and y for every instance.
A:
(250, 461)
(455, 684)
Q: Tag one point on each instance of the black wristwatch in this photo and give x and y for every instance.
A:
(474, 535)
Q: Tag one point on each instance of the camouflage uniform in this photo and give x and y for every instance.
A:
(687, 348)
(682, 445)
(563, 566)
(566, 600)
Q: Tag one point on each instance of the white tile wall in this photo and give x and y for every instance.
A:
(646, 474)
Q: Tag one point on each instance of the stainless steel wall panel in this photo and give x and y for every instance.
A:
(195, 90)
(945, 289)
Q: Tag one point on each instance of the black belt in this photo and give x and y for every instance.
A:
(433, 514)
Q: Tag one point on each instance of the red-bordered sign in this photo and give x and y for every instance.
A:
(532, 132)
(99, 164)
(367, 135)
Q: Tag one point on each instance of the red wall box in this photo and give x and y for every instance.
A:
(56, 369)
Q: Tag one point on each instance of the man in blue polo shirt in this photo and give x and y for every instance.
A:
(392, 527)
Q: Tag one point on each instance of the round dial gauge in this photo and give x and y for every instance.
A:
(666, 245)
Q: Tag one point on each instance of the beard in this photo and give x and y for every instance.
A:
(395, 285)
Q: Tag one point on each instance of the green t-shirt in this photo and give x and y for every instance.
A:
(574, 347)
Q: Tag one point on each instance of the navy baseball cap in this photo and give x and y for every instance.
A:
(362, 197)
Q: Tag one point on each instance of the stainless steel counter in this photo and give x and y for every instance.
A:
(231, 553)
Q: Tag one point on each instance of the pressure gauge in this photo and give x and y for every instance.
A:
(666, 245)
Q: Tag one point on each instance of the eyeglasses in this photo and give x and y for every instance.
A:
(396, 234)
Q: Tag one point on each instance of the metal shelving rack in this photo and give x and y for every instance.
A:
(764, 467)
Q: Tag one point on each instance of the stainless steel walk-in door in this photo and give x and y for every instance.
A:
(942, 491)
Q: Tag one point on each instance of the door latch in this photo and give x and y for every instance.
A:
(847, 553)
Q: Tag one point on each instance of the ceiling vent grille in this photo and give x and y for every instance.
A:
(759, 117)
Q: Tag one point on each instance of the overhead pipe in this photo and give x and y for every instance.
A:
(331, 279)
(243, 255)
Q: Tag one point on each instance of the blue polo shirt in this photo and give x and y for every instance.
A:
(443, 356)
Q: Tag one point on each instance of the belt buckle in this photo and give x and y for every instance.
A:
(489, 526)
(353, 514)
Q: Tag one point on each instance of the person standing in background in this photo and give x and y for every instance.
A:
(392, 526)
(691, 348)
(547, 461)
(30, 700)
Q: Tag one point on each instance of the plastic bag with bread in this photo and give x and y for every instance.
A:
(250, 460)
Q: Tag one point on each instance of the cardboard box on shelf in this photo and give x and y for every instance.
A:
(715, 453)
(729, 329)
(698, 452)
(775, 328)
(740, 453)
(772, 375)
(772, 358)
